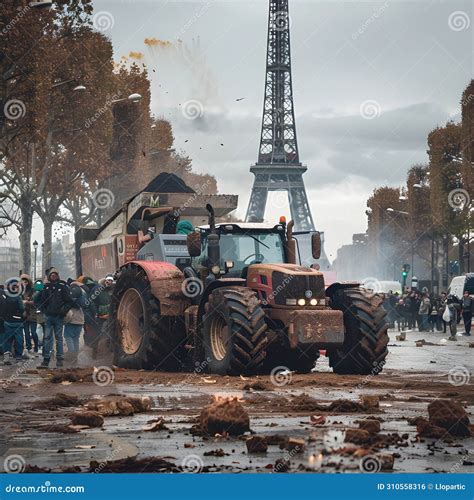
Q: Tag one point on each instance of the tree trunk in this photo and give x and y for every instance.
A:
(48, 243)
(25, 238)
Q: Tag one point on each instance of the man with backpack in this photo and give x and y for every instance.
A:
(54, 301)
(12, 311)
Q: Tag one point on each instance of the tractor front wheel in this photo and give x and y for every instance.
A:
(365, 341)
(233, 332)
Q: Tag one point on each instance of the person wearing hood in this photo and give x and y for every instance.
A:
(12, 311)
(30, 324)
(102, 297)
(74, 320)
(54, 301)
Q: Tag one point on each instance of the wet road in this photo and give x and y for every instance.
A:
(412, 378)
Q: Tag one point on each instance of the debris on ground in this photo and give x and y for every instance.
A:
(225, 416)
(119, 405)
(67, 376)
(357, 436)
(370, 402)
(318, 419)
(60, 400)
(133, 464)
(370, 425)
(156, 425)
(426, 428)
(449, 415)
(256, 444)
(295, 445)
(60, 428)
(303, 402)
(281, 465)
(256, 386)
(90, 418)
(216, 453)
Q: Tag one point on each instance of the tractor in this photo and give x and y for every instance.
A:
(243, 304)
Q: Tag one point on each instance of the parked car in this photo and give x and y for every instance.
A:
(461, 283)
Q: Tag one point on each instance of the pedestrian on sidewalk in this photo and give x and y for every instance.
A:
(30, 325)
(467, 307)
(424, 312)
(74, 321)
(12, 310)
(54, 301)
(453, 305)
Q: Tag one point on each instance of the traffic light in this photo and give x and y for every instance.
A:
(405, 270)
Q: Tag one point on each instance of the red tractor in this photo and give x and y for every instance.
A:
(242, 304)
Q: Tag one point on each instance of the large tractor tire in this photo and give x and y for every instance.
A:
(365, 343)
(233, 332)
(140, 337)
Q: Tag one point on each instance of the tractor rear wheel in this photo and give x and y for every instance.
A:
(233, 332)
(141, 338)
(365, 342)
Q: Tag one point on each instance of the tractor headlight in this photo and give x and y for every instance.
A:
(215, 270)
(301, 302)
(314, 302)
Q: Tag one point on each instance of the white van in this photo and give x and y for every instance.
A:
(461, 283)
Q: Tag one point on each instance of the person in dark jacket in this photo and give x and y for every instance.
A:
(102, 297)
(12, 311)
(30, 325)
(467, 305)
(54, 301)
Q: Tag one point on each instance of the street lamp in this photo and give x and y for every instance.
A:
(35, 246)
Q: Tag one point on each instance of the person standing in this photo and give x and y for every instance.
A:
(102, 298)
(467, 306)
(54, 301)
(30, 324)
(74, 321)
(424, 312)
(12, 310)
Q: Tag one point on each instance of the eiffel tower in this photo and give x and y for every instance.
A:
(278, 167)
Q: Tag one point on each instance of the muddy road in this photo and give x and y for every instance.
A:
(315, 422)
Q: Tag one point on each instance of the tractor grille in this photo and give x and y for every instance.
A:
(290, 286)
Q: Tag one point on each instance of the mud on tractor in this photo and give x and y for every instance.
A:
(243, 305)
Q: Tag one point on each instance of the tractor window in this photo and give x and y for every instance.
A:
(249, 248)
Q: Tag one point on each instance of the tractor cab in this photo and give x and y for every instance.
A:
(241, 245)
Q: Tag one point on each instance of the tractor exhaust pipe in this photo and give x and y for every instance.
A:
(213, 247)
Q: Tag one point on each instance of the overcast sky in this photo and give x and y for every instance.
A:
(370, 80)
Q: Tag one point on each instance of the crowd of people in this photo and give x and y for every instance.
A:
(60, 310)
(428, 312)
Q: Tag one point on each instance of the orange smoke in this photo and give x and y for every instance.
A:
(155, 42)
(136, 55)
